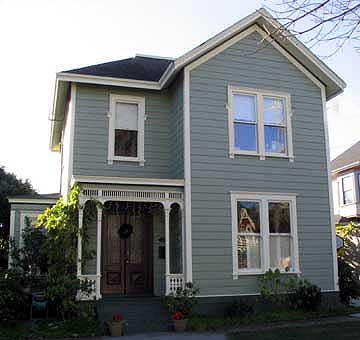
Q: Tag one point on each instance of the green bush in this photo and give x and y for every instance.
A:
(285, 291)
(183, 300)
(348, 282)
(14, 304)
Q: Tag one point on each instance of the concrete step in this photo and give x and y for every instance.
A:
(142, 314)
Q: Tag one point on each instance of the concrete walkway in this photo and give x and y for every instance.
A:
(172, 336)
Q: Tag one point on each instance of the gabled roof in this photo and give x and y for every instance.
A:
(156, 73)
(139, 68)
(348, 159)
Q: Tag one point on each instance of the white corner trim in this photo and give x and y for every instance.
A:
(127, 180)
(82, 78)
(72, 134)
(264, 198)
(11, 233)
(187, 174)
(331, 201)
(140, 101)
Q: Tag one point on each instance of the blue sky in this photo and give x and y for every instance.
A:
(40, 38)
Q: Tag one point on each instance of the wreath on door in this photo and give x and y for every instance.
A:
(125, 230)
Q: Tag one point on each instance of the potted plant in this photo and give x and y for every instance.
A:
(181, 304)
(116, 326)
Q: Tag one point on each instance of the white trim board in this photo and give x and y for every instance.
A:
(33, 200)
(330, 192)
(11, 233)
(127, 180)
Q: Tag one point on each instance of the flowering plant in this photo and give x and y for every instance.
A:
(178, 316)
(118, 317)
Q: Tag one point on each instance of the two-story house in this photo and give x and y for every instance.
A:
(345, 170)
(211, 168)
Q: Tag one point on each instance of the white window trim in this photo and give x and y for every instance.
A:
(264, 198)
(140, 101)
(353, 189)
(259, 94)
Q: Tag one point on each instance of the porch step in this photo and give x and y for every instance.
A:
(142, 313)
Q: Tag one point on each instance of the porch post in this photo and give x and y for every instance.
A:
(98, 252)
(79, 243)
(167, 245)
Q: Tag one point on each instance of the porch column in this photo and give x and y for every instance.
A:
(79, 244)
(167, 245)
(98, 252)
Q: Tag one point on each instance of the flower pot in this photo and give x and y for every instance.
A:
(116, 328)
(180, 325)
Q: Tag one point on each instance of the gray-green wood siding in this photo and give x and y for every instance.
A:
(91, 133)
(214, 174)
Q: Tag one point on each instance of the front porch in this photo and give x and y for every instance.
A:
(138, 238)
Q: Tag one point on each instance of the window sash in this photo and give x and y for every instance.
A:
(284, 149)
(265, 235)
(347, 190)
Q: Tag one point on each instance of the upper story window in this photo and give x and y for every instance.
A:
(348, 189)
(264, 233)
(126, 129)
(259, 123)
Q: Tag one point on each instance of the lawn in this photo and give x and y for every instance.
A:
(345, 330)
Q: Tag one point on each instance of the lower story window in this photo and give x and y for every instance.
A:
(264, 233)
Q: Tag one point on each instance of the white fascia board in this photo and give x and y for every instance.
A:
(306, 51)
(127, 180)
(33, 200)
(345, 167)
(81, 78)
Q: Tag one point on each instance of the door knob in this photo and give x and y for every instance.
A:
(127, 261)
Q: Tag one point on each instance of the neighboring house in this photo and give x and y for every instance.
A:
(345, 170)
(211, 168)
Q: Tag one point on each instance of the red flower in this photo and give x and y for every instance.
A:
(117, 317)
(178, 316)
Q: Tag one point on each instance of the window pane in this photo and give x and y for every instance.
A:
(125, 143)
(279, 217)
(274, 112)
(245, 136)
(249, 252)
(126, 116)
(248, 217)
(244, 108)
(348, 197)
(347, 183)
(275, 139)
(280, 252)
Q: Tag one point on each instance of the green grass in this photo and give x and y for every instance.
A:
(345, 331)
(82, 327)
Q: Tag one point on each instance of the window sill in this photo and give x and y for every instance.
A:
(113, 159)
(262, 272)
(262, 157)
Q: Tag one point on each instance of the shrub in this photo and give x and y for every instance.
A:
(183, 300)
(290, 291)
(348, 282)
(14, 304)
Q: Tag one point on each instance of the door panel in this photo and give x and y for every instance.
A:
(127, 263)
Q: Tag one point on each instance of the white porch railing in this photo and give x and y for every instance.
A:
(173, 282)
(94, 288)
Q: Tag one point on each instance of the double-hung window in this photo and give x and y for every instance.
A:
(126, 129)
(264, 233)
(348, 189)
(259, 123)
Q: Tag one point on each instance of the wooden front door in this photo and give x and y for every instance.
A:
(127, 262)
